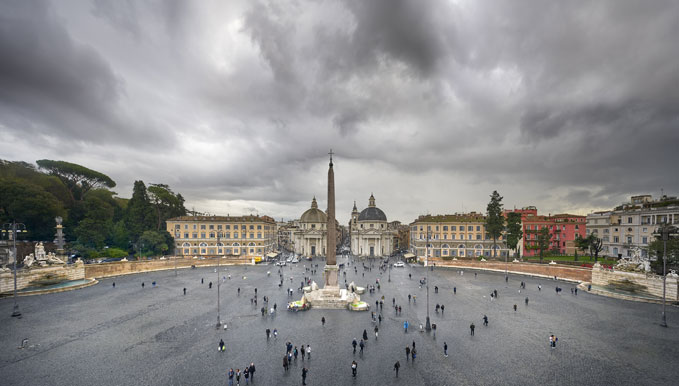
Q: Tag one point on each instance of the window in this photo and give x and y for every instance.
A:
(252, 227)
(452, 237)
(629, 239)
(186, 235)
(194, 227)
(235, 235)
(382, 226)
(478, 236)
(242, 227)
(194, 235)
(227, 227)
(445, 227)
(227, 235)
(212, 235)
(313, 226)
(629, 220)
(471, 237)
(616, 239)
(372, 225)
(212, 226)
(219, 227)
(259, 227)
(607, 231)
(644, 230)
(202, 226)
(615, 230)
(478, 228)
(252, 235)
(644, 240)
(470, 228)
(259, 235)
(186, 226)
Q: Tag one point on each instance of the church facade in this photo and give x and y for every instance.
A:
(311, 234)
(371, 234)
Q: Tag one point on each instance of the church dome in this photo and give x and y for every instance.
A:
(314, 214)
(372, 212)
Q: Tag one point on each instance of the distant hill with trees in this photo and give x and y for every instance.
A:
(98, 223)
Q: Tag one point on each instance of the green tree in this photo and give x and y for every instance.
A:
(120, 237)
(495, 221)
(97, 225)
(543, 241)
(77, 178)
(139, 215)
(154, 241)
(582, 244)
(655, 252)
(166, 204)
(24, 202)
(514, 231)
(595, 246)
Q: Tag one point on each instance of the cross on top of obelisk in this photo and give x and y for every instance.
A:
(331, 153)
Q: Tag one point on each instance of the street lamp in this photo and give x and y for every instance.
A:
(219, 319)
(13, 229)
(428, 323)
(665, 232)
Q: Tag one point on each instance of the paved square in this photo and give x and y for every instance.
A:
(156, 336)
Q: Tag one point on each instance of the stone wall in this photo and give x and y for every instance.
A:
(26, 276)
(653, 283)
(547, 270)
(128, 267)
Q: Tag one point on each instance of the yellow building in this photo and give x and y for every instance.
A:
(453, 236)
(242, 236)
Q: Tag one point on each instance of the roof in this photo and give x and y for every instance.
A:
(372, 214)
(224, 218)
(457, 217)
(314, 214)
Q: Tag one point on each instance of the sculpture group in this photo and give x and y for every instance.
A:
(41, 258)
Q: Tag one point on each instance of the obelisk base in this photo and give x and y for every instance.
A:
(331, 273)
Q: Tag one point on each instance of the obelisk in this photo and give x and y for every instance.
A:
(331, 260)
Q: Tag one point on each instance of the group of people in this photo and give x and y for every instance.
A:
(248, 374)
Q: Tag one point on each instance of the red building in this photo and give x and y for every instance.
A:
(563, 229)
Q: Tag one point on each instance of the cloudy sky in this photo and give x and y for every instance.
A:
(430, 105)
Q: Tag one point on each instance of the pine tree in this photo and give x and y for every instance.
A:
(139, 215)
(495, 222)
(514, 231)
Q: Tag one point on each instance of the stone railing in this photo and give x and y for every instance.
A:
(129, 267)
(547, 270)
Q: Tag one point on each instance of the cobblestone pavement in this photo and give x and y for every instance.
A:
(157, 336)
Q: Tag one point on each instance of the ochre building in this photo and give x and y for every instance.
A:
(243, 236)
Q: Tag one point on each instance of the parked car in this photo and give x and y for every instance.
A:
(399, 264)
(295, 260)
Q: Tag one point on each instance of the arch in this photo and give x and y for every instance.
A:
(478, 246)
(186, 245)
(251, 244)
(202, 245)
(445, 246)
(461, 246)
(236, 244)
(220, 244)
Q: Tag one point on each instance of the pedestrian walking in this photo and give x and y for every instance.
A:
(114, 284)
(443, 308)
(454, 290)
(376, 331)
(184, 290)
(436, 289)
(222, 347)
(362, 346)
(304, 372)
(526, 300)
(237, 376)
(210, 285)
(230, 374)
(514, 307)
(285, 363)
(405, 326)
(413, 352)
(472, 327)
(275, 333)
(397, 366)
(142, 284)
(308, 351)
(365, 335)
(576, 291)
(552, 341)
(303, 352)
(252, 371)
(295, 352)
(354, 343)
(379, 318)
(323, 320)
(246, 374)
(445, 349)
(485, 320)
(408, 298)
(201, 281)
(539, 287)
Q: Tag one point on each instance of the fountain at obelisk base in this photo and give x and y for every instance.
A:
(331, 296)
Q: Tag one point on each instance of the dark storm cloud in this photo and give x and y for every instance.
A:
(52, 85)
(559, 104)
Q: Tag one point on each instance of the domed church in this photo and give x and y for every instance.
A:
(311, 236)
(370, 232)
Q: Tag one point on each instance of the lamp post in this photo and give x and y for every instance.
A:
(428, 323)
(665, 232)
(219, 319)
(12, 229)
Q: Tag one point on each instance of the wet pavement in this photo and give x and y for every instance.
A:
(129, 335)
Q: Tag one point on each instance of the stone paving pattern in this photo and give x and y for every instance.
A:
(156, 336)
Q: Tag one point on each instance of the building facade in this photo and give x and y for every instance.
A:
(244, 236)
(629, 228)
(563, 230)
(371, 235)
(453, 236)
